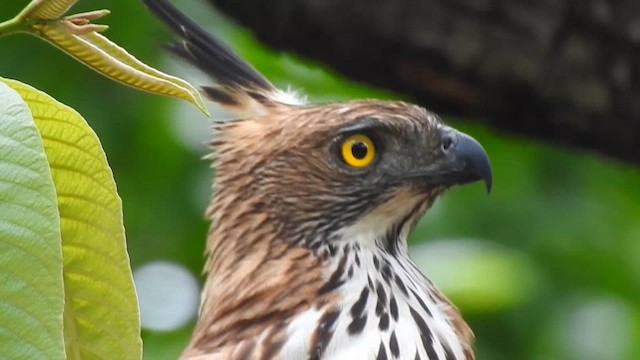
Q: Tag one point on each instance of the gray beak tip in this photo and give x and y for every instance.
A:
(475, 159)
(488, 183)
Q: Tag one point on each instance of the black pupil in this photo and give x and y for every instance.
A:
(359, 150)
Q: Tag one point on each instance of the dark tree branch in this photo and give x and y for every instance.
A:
(565, 71)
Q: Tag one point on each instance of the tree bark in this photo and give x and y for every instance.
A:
(564, 71)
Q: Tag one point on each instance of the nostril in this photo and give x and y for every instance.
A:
(447, 143)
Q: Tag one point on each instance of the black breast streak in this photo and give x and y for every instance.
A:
(384, 322)
(332, 249)
(410, 269)
(433, 299)
(393, 345)
(358, 308)
(336, 280)
(392, 237)
(382, 299)
(422, 304)
(379, 308)
(425, 334)
(393, 308)
(358, 313)
(357, 325)
(382, 352)
(376, 262)
(382, 294)
(448, 354)
(323, 334)
(387, 273)
(401, 286)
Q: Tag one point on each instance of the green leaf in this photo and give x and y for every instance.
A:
(31, 289)
(101, 318)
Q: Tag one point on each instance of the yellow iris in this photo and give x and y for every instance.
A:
(358, 150)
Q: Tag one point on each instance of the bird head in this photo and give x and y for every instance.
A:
(321, 169)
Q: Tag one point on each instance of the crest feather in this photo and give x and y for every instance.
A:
(241, 89)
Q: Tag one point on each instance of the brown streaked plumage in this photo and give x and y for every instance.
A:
(307, 255)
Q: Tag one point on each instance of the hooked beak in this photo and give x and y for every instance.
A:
(462, 161)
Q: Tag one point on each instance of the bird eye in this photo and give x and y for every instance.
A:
(358, 150)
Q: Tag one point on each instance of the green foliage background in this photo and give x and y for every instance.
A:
(567, 222)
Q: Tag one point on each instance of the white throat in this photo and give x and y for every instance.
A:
(386, 309)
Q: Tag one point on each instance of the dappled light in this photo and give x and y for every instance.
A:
(168, 295)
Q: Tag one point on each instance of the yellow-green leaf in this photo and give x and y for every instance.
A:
(78, 37)
(107, 58)
(101, 319)
(31, 290)
(123, 56)
(47, 9)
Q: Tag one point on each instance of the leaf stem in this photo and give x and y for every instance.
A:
(14, 25)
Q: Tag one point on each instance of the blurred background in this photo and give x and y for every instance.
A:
(546, 267)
